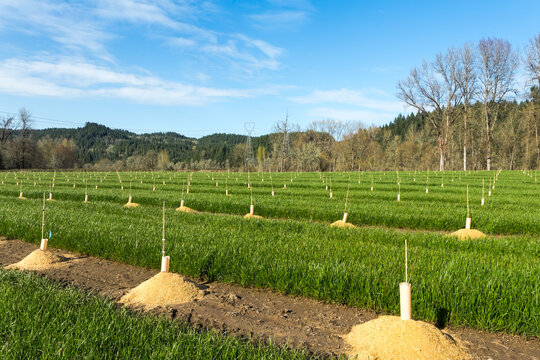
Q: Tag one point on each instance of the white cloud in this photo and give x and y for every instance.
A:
(137, 11)
(369, 106)
(284, 14)
(202, 77)
(364, 116)
(252, 54)
(279, 19)
(367, 98)
(267, 49)
(84, 28)
(76, 79)
(182, 42)
(237, 48)
(65, 24)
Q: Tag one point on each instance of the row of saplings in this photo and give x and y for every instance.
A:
(387, 337)
(462, 234)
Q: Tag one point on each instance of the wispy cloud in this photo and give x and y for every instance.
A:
(370, 99)
(239, 48)
(68, 78)
(279, 19)
(370, 106)
(364, 116)
(264, 47)
(86, 28)
(137, 11)
(181, 42)
(68, 25)
(284, 14)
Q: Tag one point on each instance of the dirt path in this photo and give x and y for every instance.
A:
(255, 313)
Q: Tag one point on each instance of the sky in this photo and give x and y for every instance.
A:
(202, 67)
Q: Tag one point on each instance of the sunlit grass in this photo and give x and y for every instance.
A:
(512, 208)
(490, 284)
(41, 320)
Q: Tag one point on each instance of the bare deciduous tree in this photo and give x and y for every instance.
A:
(532, 60)
(467, 82)
(24, 145)
(433, 91)
(498, 65)
(283, 128)
(336, 130)
(446, 67)
(532, 65)
(7, 128)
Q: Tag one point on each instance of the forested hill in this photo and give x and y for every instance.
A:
(95, 142)
(408, 142)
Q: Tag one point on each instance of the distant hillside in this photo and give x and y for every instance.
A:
(408, 142)
(95, 142)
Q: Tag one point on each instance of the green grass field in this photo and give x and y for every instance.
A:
(489, 284)
(41, 320)
(512, 208)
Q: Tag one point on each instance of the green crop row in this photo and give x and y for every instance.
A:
(490, 284)
(512, 208)
(41, 320)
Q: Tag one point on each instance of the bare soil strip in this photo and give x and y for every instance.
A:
(255, 313)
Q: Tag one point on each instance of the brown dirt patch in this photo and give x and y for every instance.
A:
(341, 224)
(162, 289)
(256, 313)
(468, 234)
(186, 209)
(39, 260)
(389, 338)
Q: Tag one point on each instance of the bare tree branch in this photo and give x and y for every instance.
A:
(498, 64)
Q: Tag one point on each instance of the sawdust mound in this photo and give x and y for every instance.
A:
(465, 234)
(390, 338)
(252, 216)
(341, 224)
(131, 204)
(163, 289)
(186, 209)
(38, 260)
(21, 198)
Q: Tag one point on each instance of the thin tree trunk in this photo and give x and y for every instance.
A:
(464, 157)
(488, 141)
(452, 152)
(465, 139)
(488, 154)
(441, 152)
(512, 159)
(537, 145)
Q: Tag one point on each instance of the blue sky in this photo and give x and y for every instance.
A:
(200, 67)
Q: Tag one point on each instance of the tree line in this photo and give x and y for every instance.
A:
(466, 116)
(446, 90)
